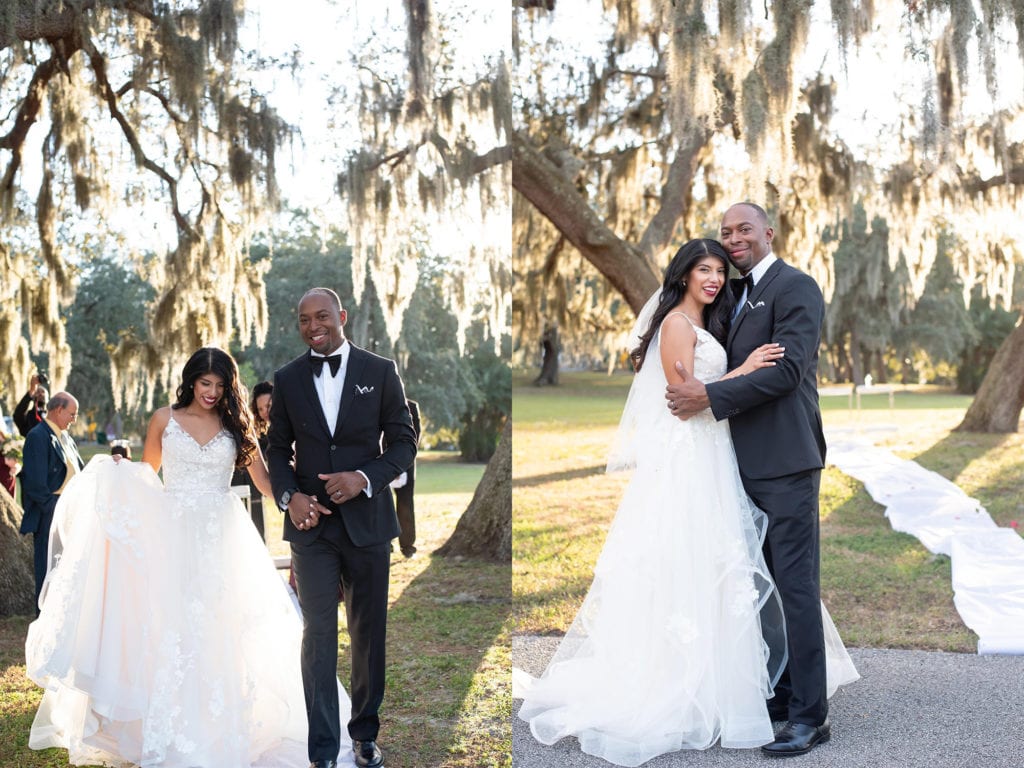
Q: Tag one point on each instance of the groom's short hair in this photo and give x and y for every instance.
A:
(761, 212)
(324, 292)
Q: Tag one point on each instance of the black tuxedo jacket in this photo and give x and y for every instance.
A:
(773, 413)
(42, 475)
(302, 445)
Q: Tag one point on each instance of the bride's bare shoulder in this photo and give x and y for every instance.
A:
(160, 417)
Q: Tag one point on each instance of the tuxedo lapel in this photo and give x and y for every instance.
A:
(762, 285)
(309, 394)
(353, 372)
(753, 296)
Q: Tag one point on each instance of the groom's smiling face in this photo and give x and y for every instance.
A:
(320, 323)
(746, 236)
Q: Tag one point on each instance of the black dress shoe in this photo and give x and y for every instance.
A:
(367, 754)
(324, 764)
(797, 738)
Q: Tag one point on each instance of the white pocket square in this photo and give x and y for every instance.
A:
(363, 390)
(755, 306)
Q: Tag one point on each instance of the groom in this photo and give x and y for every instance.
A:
(331, 408)
(776, 429)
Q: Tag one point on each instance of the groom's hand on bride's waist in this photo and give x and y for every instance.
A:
(687, 397)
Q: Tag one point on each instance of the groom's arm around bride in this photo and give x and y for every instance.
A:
(777, 433)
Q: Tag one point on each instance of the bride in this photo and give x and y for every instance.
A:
(681, 638)
(165, 635)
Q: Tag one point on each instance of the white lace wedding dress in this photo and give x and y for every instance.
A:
(166, 637)
(680, 638)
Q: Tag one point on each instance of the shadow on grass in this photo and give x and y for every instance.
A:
(882, 587)
(554, 477)
(953, 453)
(19, 698)
(986, 467)
(448, 700)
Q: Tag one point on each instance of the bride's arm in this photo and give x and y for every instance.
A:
(258, 473)
(762, 357)
(152, 449)
(678, 342)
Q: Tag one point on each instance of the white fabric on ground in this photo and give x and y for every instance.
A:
(987, 561)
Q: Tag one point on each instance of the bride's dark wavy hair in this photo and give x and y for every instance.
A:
(716, 315)
(233, 411)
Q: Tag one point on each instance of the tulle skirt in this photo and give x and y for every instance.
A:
(680, 639)
(165, 637)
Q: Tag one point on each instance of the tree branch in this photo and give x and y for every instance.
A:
(676, 194)
(99, 67)
(538, 180)
(28, 112)
(1013, 175)
(489, 159)
(31, 24)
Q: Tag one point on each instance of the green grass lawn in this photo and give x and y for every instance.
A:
(883, 588)
(448, 702)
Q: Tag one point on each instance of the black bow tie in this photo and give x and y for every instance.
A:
(318, 364)
(740, 283)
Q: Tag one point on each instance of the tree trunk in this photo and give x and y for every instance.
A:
(549, 366)
(997, 406)
(485, 528)
(17, 579)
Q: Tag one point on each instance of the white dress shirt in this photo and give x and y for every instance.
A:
(328, 387)
(329, 391)
(758, 272)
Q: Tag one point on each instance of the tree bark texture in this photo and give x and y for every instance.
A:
(997, 406)
(17, 582)
(485, 528)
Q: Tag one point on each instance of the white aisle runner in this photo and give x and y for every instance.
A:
(987, 561)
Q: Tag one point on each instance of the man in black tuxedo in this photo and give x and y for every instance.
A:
(50, 459)
(405, 500)
(780, 448)
(332, 408)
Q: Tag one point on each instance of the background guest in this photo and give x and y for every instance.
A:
(262, 396)
(404, 503)
(31, 409)
(51, 459)
(10, 456)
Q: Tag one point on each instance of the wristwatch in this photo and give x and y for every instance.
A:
(285, 498)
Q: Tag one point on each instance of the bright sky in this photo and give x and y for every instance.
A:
(322, 37)
(877, 80)
(325, 34)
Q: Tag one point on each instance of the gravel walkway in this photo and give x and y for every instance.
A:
(910, 709)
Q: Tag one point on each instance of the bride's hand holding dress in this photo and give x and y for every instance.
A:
(166, 636)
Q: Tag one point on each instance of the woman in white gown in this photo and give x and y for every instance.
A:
(680, 638)
(165, 635)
